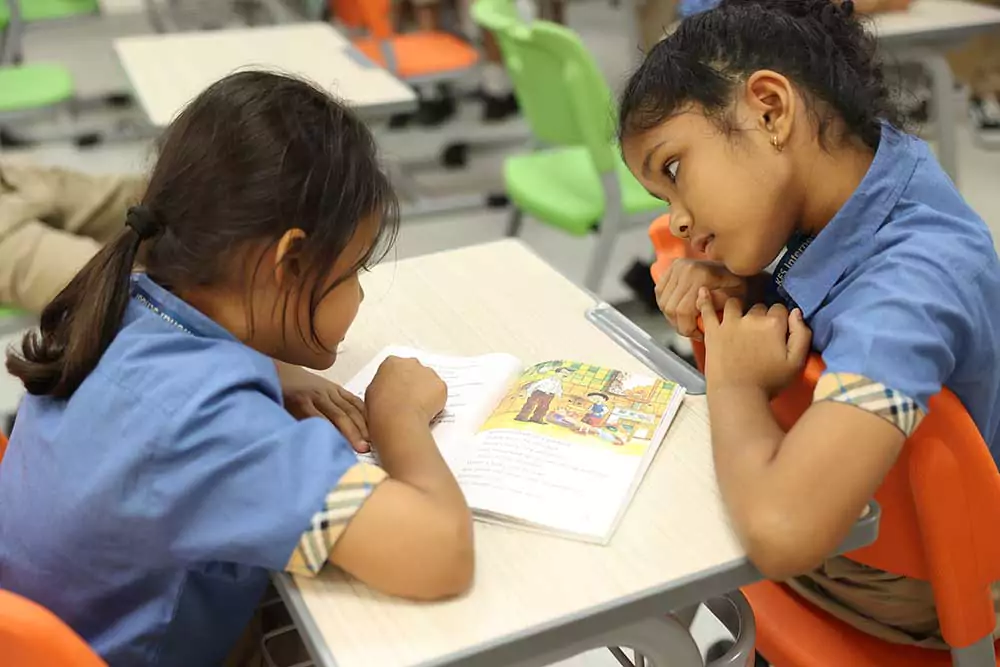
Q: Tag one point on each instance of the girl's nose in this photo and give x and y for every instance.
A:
(680, 223)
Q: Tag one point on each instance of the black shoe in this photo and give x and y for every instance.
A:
(400, 120)
(436, 110)
(499, 107)
(10, 140)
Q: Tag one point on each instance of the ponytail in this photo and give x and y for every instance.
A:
(79, 324)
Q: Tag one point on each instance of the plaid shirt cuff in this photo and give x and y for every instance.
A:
(896, 408)
(328, 524)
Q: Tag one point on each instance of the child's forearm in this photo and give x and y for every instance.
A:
(409, 454)
(745, 443)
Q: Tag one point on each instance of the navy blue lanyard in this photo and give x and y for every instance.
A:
(796, 246)
(151, 304)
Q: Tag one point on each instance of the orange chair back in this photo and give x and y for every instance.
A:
(374, 15)
(32, 635)
(347, 12)
(3, 446)
(940, 504)
(940, 508)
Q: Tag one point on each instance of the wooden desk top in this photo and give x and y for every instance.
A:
(167, 71)
(501, 297)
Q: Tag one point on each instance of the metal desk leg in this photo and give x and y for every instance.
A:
(943, 105)
(658, 642)
(661, 639)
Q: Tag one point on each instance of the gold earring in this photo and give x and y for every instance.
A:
(777, 144)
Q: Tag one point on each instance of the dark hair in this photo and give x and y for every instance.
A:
(254, 155)
(598, 393)
(818, 44)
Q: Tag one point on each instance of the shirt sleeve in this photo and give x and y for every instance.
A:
(245, 482)
(894, 345)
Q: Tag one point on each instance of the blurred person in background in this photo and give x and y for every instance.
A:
(52, 221)
(977, 65)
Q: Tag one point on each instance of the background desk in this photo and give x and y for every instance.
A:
(537, 599)
(925, 33)
(167, 71)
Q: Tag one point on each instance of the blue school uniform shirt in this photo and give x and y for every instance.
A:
(147, 510)
(902, 292)
(686, 8)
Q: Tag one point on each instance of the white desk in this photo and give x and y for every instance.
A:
(924, 33)
(167, 71)
(536, 599)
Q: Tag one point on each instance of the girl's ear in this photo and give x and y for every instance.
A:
(771, 98)
(287, 254)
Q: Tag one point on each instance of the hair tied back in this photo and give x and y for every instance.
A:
(143, 222)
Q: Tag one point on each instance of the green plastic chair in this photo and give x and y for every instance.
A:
(28, 88)
(15, 14)
(578, 181)
(47, 10)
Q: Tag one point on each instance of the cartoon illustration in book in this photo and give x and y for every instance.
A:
(598, 410)
(588, 403)
(540, 395)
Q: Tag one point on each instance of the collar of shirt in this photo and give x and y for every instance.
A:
(811, 267)
(174, 310)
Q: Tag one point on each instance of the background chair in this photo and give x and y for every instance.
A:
(422, 56)
(940, 507)
(36, 11)
(26, 90)
(577, 181)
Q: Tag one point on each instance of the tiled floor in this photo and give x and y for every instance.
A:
(85, 47)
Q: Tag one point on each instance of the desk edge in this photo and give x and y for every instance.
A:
(309, 631)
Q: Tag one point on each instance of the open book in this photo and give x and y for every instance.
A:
(559, 446)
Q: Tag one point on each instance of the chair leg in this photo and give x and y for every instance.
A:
(598, 264)
(979, 654)
(515, 221)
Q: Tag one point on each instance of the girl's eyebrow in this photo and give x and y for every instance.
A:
(649, 158)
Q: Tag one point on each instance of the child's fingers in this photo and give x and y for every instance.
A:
(356, 401)
(354, 407)
(346, 423)
(733, 310)
(719, 299)
(799, 337)
(686, 315)
(709, 318)
(336, 405)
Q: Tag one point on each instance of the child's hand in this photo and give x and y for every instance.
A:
(677, 292)
(764, 349)
(308, 395)
(405, 386)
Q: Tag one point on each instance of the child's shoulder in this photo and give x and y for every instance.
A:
(931, 222)
(162, 363)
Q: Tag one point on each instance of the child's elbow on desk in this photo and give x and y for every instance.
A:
(409, 545)
(450, 572)
(779, 550)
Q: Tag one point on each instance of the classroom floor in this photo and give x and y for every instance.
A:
(84, 47)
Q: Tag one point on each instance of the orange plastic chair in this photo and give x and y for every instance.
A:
(415, 57)
(32, 636)
(347, 12)
(940, 508)
(3, 446)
